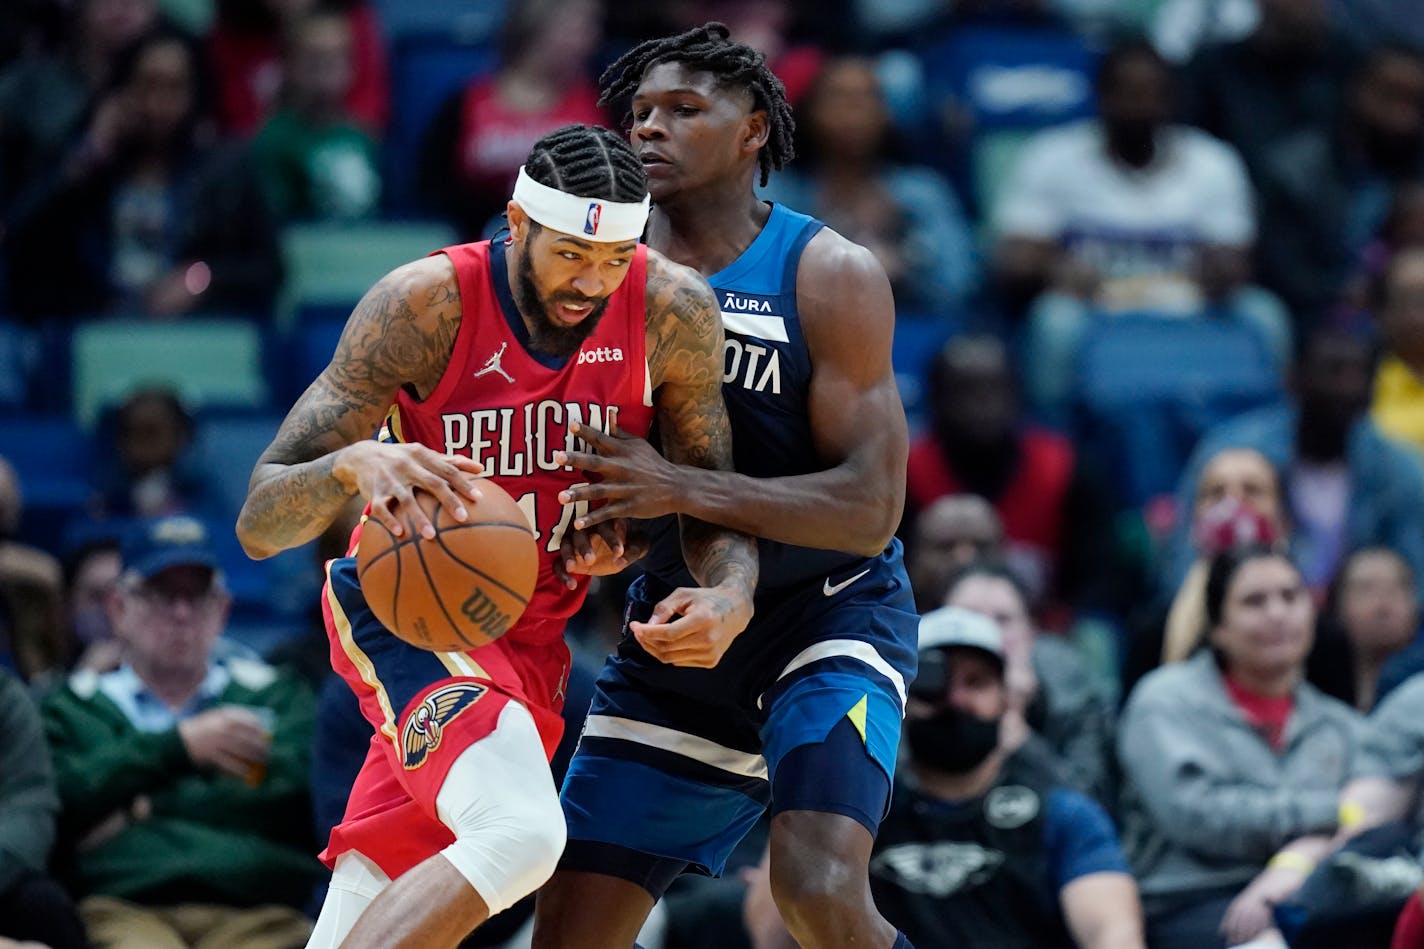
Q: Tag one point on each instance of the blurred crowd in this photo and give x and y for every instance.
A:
(1159, 276)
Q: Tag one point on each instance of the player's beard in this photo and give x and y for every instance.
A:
(547, 335)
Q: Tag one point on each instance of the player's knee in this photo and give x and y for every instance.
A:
(810, 891)
(508, 852)
(499, 801)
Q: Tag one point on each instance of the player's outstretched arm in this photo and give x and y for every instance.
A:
(694, 626)
(857, 420)
(400, 333)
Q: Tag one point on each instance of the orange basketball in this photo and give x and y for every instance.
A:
(463, 588)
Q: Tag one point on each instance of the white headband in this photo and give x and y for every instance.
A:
(595, 219)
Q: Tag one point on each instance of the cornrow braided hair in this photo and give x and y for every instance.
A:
(736, 65)
(588, 161)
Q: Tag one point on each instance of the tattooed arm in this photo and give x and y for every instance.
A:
(694, 626)
(685, 362)
(853, 503)
(401, 333)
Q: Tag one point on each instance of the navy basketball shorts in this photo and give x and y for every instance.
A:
(678, 764)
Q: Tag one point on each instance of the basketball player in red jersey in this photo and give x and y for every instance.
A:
(489, 359)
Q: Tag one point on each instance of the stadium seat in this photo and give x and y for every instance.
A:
(18, 349)
(471, 22)
(226, 445)
(208, 360)
(426, 69)
(53, 458)
(1148, 386)
(331, 266)
(918, 339)
(1005, 82)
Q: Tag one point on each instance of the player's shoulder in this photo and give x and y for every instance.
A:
(836, 274)
(674, 290)
(424, 291)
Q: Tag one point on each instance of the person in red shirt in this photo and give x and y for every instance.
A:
(246, 52)
(474, 358)
(543, 81)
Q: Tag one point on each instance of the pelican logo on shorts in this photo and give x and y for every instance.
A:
(590, 221)
(425, 727)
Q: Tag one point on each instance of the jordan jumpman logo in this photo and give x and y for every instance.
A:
(492, 364)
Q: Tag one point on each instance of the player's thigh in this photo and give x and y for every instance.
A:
(579, 909)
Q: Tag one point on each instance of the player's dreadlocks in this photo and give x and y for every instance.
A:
(736, 65)
(590, 162)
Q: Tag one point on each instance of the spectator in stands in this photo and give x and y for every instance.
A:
(851, 173)
(1398, 405)
(1346, 485)
(32, 905)
(979, 442)
(483, 132)
(183, 777)
(315, 159)
(152, 432)
(1324, 191)
(43, 97)
(91, 572)
(31, 585)
(1125, 212)
(1370, 620)
(246, 51)
(1056, 713)
(1238, 500)
(980, 847)
(145, 215)
(1232, 763)
(950, 534)
(766, 25)
(1288, 75)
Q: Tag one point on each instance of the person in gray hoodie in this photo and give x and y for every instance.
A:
(1232, 763)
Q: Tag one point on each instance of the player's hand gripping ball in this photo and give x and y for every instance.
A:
(463, 588)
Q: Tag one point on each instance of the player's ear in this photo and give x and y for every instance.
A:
(756, 131)
(518, 220)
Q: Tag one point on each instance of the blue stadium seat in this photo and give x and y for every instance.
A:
(471, 22)
(53, 458)
(1148, 386)
(918, 339)
(1005, 82)
(226, 446)
(18, 354)
(426, 69)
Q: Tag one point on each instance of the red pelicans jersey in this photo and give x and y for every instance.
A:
(510, 410)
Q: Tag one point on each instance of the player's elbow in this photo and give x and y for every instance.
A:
(253, 544)
(882, 518)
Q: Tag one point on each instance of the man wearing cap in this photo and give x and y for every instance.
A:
(496, 359)
(984, 850)
(182, 775)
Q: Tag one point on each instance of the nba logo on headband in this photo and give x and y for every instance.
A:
(590, 223)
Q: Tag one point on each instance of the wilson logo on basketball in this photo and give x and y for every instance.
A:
(486, 614)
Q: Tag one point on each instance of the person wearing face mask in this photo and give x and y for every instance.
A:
(984, 848)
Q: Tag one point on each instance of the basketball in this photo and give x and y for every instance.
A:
(463, 588)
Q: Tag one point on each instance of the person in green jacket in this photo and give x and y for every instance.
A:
(182, 774)
(33, 907)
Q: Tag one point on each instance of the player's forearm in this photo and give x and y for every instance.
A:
(288, 505)
(716, 556)
(837, 509)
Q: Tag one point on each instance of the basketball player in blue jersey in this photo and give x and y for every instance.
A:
(802, 713)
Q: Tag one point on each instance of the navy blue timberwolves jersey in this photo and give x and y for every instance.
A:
(766, 385)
